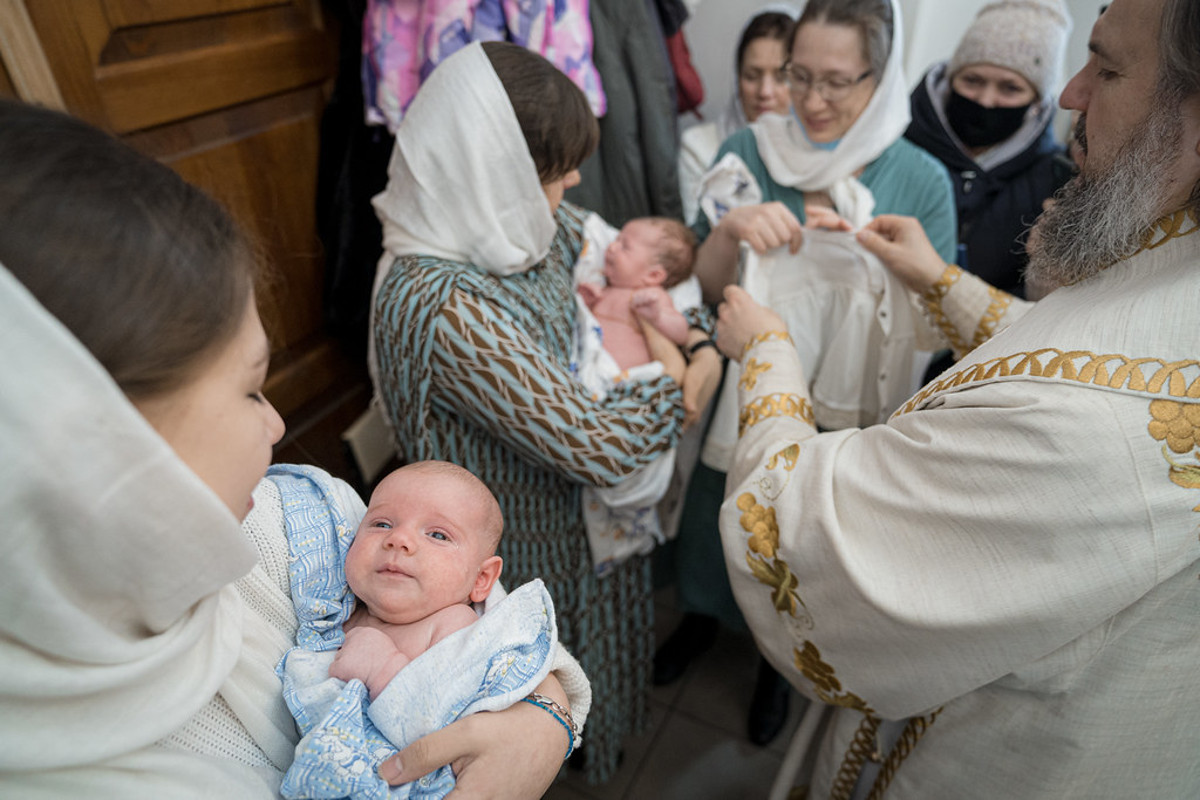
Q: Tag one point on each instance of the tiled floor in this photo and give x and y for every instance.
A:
(696, 748)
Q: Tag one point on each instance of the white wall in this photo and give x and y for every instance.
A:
(932, 28)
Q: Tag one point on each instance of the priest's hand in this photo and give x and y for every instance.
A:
(901, 244)
(740, 319)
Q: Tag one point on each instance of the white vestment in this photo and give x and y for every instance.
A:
(1008, 567)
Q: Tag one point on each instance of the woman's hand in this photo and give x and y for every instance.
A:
(901, 244)
(700, 379)
(740, 319)
(764, 226)
(512, 754)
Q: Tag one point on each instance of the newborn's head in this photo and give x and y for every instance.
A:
(650, 251)
(427, 541)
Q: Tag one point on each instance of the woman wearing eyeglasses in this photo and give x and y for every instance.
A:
(840, 148)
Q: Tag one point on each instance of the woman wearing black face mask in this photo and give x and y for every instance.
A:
(986, 115)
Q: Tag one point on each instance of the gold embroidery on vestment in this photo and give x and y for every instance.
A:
(1179, 379)
(825, 683)
(762, 555)
(769, 336)
(775, 405)
(787, 456)
(932, 298)
(1177, 425)
(991, 318)
(750, 372)
(1181, 223)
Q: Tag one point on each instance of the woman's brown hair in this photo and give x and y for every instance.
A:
(147, 271)
(559, 126)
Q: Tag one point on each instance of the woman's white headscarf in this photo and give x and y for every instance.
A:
(120, 621)
(733, 117)
(793, 160)
(461, 183)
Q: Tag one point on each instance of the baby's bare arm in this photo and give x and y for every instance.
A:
(370, 655)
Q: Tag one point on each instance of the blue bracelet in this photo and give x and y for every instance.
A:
(547, 704)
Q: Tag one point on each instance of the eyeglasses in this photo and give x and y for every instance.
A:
(832, 90)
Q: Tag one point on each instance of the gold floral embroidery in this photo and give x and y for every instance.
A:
(787, 455)
(769, 336)
(750, 372)
(824, 681)
(774, 405)
(777, 575)
(1181, 223)
(1178, 426)
(759, 522)
(1148, 375)
(932, 298)
(762, 554)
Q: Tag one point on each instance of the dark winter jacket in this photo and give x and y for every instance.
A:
(995, 207)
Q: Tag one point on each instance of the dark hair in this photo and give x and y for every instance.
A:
(559, 126)
(872, 19)
(676, 249)
(767, 25)
(147, 271)
(1179, 60)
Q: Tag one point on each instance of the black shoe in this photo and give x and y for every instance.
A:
(769, 706)
(695, 634)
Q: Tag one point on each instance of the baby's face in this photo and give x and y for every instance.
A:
(628, 261)
(419, 548)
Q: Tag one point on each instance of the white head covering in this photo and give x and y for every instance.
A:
(733, 117)
(461, 183)
(792, 160)
(120, 620)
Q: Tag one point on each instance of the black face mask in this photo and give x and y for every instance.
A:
(978, 126)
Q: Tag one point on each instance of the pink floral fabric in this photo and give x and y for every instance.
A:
(404, 40)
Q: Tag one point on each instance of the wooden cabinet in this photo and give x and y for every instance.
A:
(227, 92)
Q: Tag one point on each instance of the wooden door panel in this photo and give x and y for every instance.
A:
(229, 93)
(127, 13)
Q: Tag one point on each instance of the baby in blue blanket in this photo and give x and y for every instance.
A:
(388, 647)
(424, 552)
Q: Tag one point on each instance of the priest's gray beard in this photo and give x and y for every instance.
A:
(1101, 218)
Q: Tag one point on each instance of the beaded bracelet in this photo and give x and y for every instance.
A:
(551, 707)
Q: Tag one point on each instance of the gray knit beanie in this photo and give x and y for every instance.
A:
(1026, 36)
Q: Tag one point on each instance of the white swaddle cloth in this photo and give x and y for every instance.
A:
(621, 520)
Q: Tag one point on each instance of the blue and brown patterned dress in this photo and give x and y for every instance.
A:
(474, 369)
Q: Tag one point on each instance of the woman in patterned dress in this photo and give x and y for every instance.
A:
(474, 312)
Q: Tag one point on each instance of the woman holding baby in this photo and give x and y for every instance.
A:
(474, 314)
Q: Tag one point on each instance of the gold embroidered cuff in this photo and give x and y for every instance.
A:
(932, 299)
(775, 405)
(769, 336)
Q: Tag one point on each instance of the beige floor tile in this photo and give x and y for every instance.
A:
(636, 751)
(694, 761)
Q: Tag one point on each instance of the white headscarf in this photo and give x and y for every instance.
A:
(733, 117)
(461, 183)
(792, 160)
(120, 620)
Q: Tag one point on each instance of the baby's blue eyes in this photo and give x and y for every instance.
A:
(440, 536)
